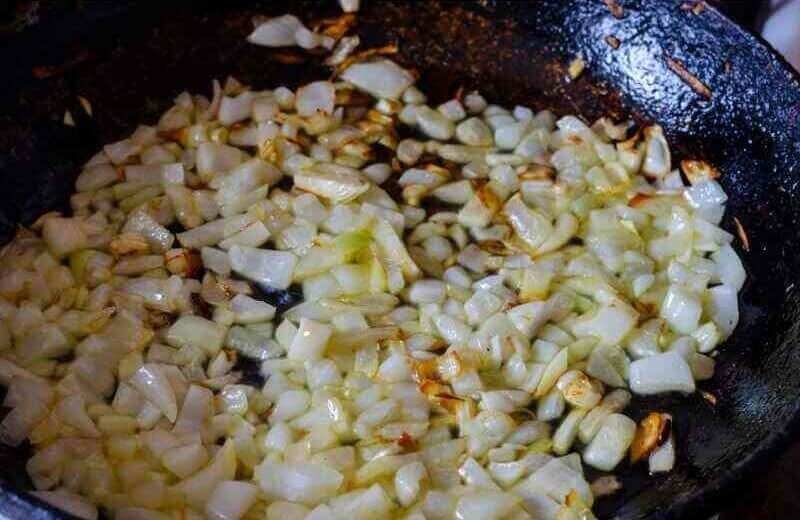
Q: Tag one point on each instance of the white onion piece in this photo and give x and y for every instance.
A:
(310, 340)
(270, 268)
(213, 158)
(276, 32)
(96, 177)
(349, 6)
(556, 480)
(196, 331)
(196, 410)
(667, 372)
(185, 460)
(407, 482)
(657, 160)
(230, 500)
(381, 78)
(301, 482)
(489, 505)
(474, 475)
(723, 307)
(197, 488)
(705, 194)
(72, 411)
(531, 226)
(681, 310)
(729, 267)
(234, 109)
(151, 382)
(611, 443)
(426, 291)
(120, 151)
(315, 98)
(434, 123)
(335, 183)
(249, 310)
(662, 459)
(216, 260)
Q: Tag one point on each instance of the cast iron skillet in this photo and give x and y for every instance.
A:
(130, 62)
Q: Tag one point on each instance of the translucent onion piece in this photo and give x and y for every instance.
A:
(381, 78)
(151, 382)
(276, 32)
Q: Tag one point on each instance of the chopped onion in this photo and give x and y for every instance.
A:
(611, 443)
(349, 6)
(301, 482)
(269, 268)
(276, 32)
(337, 184)
(381, 78)
(667, 372)
(310, 340)
(230, 500)
(198, 332)
(315, 98)
(153, 384)
(723, 307)
(428, 333)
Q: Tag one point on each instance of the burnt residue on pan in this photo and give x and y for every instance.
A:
(134, 60)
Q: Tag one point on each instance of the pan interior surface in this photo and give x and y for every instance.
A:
(131, 62)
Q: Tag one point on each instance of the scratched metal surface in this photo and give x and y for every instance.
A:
(130, 62)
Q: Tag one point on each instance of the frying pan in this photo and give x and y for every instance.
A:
(130, 61)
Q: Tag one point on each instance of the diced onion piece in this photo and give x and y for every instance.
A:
(531, 226)
(657, 162)
(301, 482)
(216, 260)
(381, 78)
(491, 505)
(96, 177)
(611, 443)
(198, 488)
(667, 372)
(723, 307)
(662, 459)
(185, 460)
(610, 324)
(349, 6)
(213, 159)
(153, 384)
(270, 268)
(276, 32)
(64, 235)
(315, 98)
(310, 340)
(249, 310)
(336, 184)
(230, 500)
(681, 309)
(554, 370)
(729, 267)
(198, 332)
(556, 480)
(407, 482)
